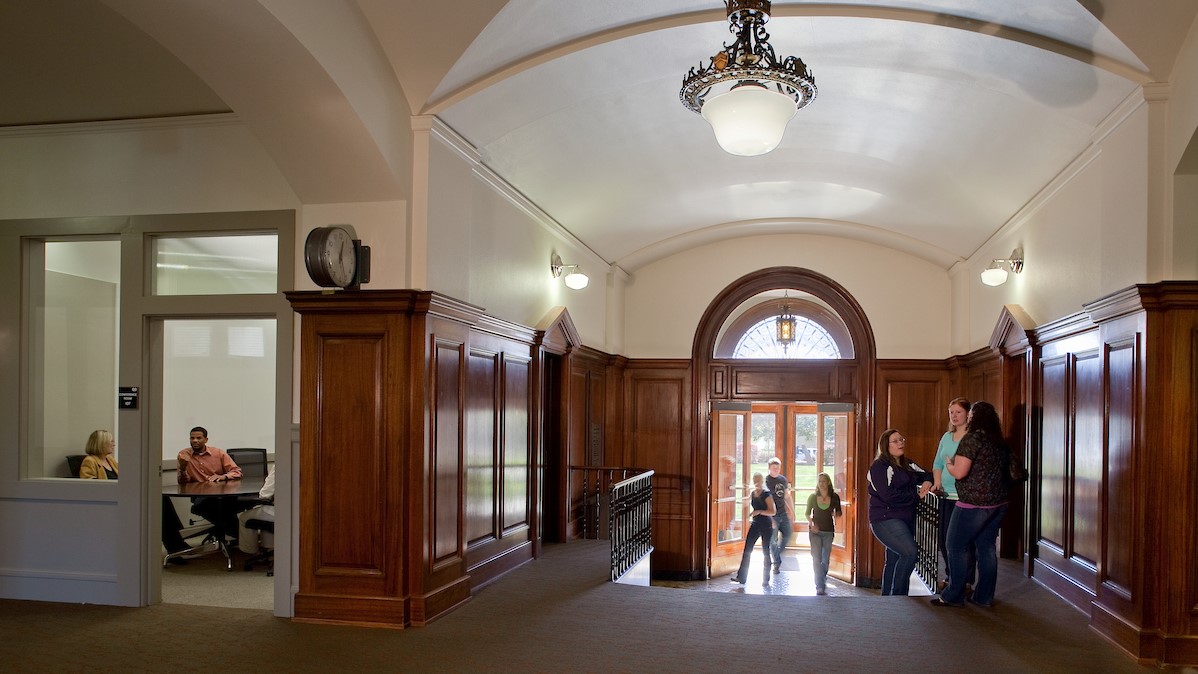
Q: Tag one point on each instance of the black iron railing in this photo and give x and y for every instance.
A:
(927, 537)
(617, 504)
(631, 522)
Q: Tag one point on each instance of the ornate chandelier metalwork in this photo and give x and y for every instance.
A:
(785, 324)
(765, 92)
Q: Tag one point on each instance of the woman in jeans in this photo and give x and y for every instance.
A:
(762, 526)
(896, 484)
(822, 506)
(945, 487)
(982, 468)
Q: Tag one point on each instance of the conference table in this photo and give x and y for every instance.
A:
(227, 492)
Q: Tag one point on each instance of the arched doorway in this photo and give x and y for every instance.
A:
(722, 382)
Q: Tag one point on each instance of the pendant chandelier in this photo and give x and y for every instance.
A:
(785, 323)
(745, 92)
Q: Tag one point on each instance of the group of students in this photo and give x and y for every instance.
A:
(971, 474)
(199, 462)
(770, 522)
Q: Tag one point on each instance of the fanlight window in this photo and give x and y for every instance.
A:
(812, 340)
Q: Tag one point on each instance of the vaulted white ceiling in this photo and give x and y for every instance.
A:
(935, 123)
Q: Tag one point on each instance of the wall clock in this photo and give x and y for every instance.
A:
(336, 258)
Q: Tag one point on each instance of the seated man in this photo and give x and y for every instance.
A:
(200, 463)
(247, 540)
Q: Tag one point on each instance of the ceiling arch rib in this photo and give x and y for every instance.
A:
(319, 137)
(834, 228)
(1128, 71)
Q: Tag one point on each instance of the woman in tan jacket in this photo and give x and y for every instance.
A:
(99, 464)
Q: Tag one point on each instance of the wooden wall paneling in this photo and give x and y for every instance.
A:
(353, 410)
(482, 451)
(805, 381)
(1054, 453)
(446, 484)
(1086, 472)
(658, 437)
(517, 447)
(500, 405)
(576, 454)
(913, 397)
(345, 554)
(1122, 506)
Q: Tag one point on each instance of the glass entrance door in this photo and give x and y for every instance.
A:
(809, 439)
(729, 480)
(822, 444)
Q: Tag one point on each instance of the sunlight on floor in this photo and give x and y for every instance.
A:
(794, 579)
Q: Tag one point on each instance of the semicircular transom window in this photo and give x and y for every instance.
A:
(812, 340)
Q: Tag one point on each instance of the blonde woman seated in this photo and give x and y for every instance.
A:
(99, 464)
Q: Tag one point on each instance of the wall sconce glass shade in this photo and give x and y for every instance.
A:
(994, 276)
(575, 279)
(996, 273)
(749, 120)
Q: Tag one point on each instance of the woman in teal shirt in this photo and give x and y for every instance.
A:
(945, 485)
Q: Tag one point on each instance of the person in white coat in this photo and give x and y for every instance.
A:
(247, 540)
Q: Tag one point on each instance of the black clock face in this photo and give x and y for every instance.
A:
(330, 257)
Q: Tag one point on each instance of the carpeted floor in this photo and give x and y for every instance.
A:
(207, 581)
(559, 614)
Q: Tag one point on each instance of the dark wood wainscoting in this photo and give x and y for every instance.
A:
(417, 456)
(657, 435)
(1115, 471)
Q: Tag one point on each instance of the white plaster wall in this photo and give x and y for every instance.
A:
(487, 248)
(1183, 98)
(1185, 235)
(1087, 240)
(135, 169)
(906, 299)
(382, 225)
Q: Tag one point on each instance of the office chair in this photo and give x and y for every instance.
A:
(251, 460)
(75, 462)
(265, 554)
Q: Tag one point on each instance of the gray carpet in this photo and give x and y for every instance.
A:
(559, 614)
(207, 581)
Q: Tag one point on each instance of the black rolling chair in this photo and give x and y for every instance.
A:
(251, 460)
(267, 555)
(75, 462)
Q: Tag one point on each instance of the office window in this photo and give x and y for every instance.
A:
(74, 307)
(219, 374)
(216, 265)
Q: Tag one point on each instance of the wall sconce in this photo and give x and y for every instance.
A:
(996, 273)
(575, 279)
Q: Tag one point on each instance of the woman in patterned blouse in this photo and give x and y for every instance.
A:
(982, 467)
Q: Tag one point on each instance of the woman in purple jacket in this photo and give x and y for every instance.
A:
(896, 484)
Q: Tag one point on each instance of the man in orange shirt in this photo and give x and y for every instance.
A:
(200, 463)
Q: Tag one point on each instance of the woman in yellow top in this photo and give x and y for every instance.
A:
(99, 464)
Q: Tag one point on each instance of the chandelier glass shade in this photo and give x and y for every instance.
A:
(745, 91)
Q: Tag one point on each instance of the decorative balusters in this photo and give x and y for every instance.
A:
(631, 518)
(927, 527)
(621, 499)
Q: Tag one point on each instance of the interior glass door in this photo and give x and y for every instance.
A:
(729, 477)
(822, 445)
